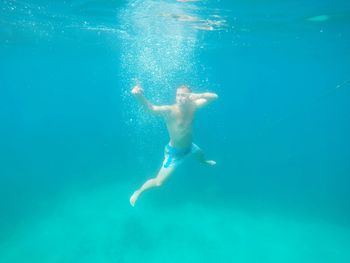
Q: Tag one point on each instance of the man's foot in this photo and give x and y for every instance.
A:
(134, 197)
(210, 162)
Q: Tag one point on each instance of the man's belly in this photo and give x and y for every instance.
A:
(181, 142)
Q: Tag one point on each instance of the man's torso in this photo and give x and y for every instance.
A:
(180, 124)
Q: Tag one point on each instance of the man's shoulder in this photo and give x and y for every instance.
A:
(172, 110)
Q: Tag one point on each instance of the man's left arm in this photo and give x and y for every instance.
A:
(203, 99)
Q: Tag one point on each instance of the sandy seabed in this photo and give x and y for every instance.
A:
(101, 226)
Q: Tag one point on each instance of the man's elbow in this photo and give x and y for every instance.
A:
(151, 108)
(154, 109)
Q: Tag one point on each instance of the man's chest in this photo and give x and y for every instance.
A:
(181, 120)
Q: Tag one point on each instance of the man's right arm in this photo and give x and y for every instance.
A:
(137, 91)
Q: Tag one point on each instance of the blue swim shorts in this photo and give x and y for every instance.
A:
(174, 156)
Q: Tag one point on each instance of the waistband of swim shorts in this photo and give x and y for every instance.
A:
(176, 151)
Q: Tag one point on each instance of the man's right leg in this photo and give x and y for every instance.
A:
(199, 154)
(162, 175)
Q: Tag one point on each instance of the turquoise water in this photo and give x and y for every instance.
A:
(74, 144)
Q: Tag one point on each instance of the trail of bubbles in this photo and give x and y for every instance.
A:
(159, 47)
(159, 50)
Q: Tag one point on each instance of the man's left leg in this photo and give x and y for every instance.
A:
(157, 181)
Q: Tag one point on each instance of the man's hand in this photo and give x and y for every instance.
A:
(137, 90)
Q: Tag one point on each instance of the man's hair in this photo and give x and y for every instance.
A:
(184, 87)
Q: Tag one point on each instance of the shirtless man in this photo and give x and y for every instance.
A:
(179, 121)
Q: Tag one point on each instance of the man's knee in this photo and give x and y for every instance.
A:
(159, 181)
(156, 181)
(162, 176)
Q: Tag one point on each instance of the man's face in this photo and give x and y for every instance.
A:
(182, 96)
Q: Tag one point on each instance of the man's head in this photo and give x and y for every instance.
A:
(182, 94)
